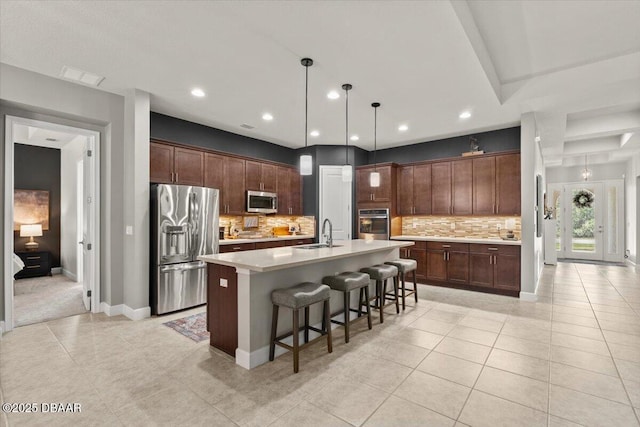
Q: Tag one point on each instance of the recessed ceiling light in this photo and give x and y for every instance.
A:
(197, 92)
(403, 128)
(465, 115)
(333, 95)
(267, 117)
(354, 137)
(314, 133)
(80, 76)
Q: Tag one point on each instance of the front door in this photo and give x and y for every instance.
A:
(584, 223)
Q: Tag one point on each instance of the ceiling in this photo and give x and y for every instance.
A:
(42, 137)
(570, 62)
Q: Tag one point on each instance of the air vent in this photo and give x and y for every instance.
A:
(51, 139)
(246, 126)
(80, 76)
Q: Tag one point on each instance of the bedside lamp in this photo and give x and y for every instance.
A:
(31, 231)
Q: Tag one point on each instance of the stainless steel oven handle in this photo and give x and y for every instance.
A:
(374, 216)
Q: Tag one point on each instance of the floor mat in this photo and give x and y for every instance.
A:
(194, 327)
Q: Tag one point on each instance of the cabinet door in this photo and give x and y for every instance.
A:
(420, 256)
(458, 267)
(484, 186)
(508, 184)
(462, 187)
(405, 191)
(436, 266)
(188, 166)
(269, 177)
(253, 175)
(161, 163)
(382, 193)
(214, 177)
(441, 188)
(222, 308)
(364, 192)
(284, 190)
(422, 189)
(481, 270)
(234, 186)
(507, 272)
(295, 198)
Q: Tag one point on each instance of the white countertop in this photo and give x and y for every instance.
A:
(266, 239)
(486, 241)
(292, 256)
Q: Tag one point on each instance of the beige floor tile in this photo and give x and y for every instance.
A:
(437, 394)
(443, 316)
(579, 343)
(519, 364)
(627, 310)
(516, 388)
(521, 346)
(306, 414)
(573, 311)
(577, 330)
(399, 412)
(432, 325)
(482, 323)
(490, 315)
(377, 372)
(418, 337)
(589, 410)
(589, 382)
(621, 338)
(473, 335)
(617, 326)
(526, 332)
(396, 348)
(633, 389)
(561, 422)
(625, 352)
(484, 410)
(575, 320)
(463, 349)
(582, 359)
(628, 370)
(451, 368)
(352, 402)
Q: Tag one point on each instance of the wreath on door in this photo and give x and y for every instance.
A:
(583, 199)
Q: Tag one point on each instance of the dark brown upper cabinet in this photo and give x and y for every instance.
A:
(261, 176)
(414, 190)
(175, 165)
(462, 187)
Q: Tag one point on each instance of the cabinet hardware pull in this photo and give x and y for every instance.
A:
(448, 256)
(444, 256)
(33, 266)
(495, 259)
(446, 246)
(33, 257)
(176, 176)
(237, 248)
(493, 208)
(492, 249)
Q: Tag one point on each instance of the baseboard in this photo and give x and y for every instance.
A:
(1, 328)
(137, 313)
(69, 274)
(111, 310)
(528, 296)
(56, 270)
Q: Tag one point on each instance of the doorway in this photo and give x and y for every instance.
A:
(589, 220)
(61, 276)
(335, 202)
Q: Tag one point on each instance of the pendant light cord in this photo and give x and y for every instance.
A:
(375, 137)
(306, 104)
(347, 126)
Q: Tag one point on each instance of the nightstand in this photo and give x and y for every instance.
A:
(36, 263)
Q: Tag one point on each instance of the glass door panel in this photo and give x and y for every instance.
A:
(584, 221)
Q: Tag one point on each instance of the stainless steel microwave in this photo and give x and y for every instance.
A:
(262, 202)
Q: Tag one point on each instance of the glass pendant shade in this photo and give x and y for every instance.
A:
(374, 179)
(586, 174)
(306, 164)
(347, 173)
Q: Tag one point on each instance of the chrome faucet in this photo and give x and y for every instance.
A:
(330, 235)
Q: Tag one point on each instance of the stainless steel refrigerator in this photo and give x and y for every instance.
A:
(184, 225)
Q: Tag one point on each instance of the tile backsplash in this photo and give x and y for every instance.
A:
(307, 224)
(459, 226)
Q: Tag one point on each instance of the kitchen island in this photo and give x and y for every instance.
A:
(240, 285)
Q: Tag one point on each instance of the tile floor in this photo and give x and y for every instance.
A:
(456, 358)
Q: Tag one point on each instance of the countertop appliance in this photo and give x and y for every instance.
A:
(262, 202)
(184, 225)
(373, 224)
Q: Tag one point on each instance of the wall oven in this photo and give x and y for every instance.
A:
(262, 202)
(373, 224)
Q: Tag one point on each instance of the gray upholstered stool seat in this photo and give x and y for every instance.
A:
(345, 283)
(381, 273)
(405, 266)
(296, 298)
(300, 295)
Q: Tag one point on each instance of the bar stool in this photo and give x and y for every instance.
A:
(345, 283)
(296, 298)
(381, 273)
(405, 266)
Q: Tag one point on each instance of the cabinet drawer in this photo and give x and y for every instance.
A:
(267, 245)
(449, 246)
(494, 249)
(299, 242)
(237, 248)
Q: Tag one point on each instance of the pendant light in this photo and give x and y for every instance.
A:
(374, 178)
(586, 172)
(347, 171)
(306, 161)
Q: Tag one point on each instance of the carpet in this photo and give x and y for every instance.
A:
(194, 327)
(40, 299)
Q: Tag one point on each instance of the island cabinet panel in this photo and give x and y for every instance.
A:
(462, 187)
(484, 186)
(441, 188)
(297, 242)
(268, 245)
(222, 307)
(508, 184)
(237, 247)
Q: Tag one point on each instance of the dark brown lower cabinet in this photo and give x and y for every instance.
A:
(436, 265)
(222, 307)
(418, 253)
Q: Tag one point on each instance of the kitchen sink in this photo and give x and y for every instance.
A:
(316, 246)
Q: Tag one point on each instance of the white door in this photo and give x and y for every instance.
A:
(584, 223)
(88, 231)
(335, 202)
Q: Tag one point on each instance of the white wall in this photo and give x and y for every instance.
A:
(599, 172)
(70, 154)
(632, 205)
